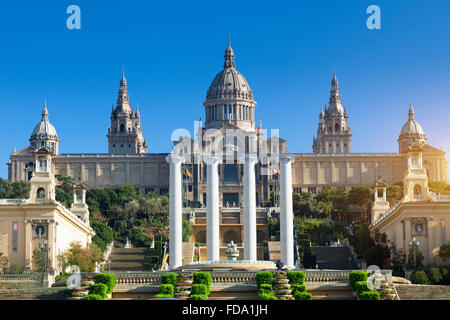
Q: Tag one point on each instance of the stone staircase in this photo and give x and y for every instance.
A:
(337, 258)
(188, 252)
(422, 292)
(274, 250)
(127, 259)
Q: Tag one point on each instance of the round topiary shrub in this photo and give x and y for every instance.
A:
(302, 296)
(369, 295)
(267, 296)
(100, 289)
(356, 276)
(93, 297)
(169, 278)
(298, 288)
(420, 277)
(109, 279)
(197, 297)
(361, 286)
(296, 277)
(265, 287)
(435, 276)
(166, 289)
(199, 289)
(265, 277)
(203, 278)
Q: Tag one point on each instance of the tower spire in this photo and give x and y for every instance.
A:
(45, 111)
(229, 56)
(411, 114)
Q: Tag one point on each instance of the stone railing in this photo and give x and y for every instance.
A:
(320, 276)
(141, 278)
(12, 201)
(21, 277)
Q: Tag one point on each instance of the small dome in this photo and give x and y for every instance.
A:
(44, 129)
(412, 127)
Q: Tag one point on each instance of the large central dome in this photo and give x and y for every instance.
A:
(229, 97)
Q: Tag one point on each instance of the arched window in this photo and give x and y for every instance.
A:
(40, 194)
(122, 128)
(417, 190)
(336, 128)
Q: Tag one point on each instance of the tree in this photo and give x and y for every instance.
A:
(15, 190)
(83, 257)
(304, 205)
(362, 198)
(4, 263)
(64, 191)
(187, 230)
(444, 251)
(394, 193)
(41, 259)
(104, 235)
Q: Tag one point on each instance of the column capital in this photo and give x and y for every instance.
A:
(252, 157)
(174, 158)
(286, 157)
(212, 159)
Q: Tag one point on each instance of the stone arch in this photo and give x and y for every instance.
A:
(417, 190)
(336, 128)
(231, 235)
(40, 193)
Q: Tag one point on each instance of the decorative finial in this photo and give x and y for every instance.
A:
(229, 40)
(45, 111)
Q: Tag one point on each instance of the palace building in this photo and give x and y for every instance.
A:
(230, 105)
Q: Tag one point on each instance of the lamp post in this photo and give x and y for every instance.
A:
(415, 243)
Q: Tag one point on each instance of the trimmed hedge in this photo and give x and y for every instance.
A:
(109, 279)
(435, 276)
(302, 296)
(265, 287)
(198, 297)
(166, 289)
(100, 289)
(169, 278)
(162, 295)
(296, 277)
(361, 286)
(202, 278)
(356, 276)
(264, 277)
(369, 295)
(298, 288)
(93, 297)
(267, 296)
(420, 277)
(199, 289)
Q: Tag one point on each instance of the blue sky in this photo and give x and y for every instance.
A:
(171, 52)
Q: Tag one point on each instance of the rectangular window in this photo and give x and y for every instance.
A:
(225, 113)
(163, 191)
(148, 190)
(15, 235)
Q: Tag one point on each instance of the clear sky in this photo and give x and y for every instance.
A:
(171, 51)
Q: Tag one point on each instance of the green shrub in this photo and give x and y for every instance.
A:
(109, 279)
(420, 277)
(99, 288)
(199, 289)
(445, 272)
(61, 277)
(169, 278)
(356, 276)
(369, 295)
(296, 277)
(302, 296)
(162, 296)
(166, 289)
(197, 297)
(435, 276)
(15, 269)
(298, 288)
(267, 296)
(202, 278)
(264, 277)
(265, 287)
(361, 286)
(93, 297)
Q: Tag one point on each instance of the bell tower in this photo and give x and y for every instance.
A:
(42, 184)
(125, 135)
(416, 179)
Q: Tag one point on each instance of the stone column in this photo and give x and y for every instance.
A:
(212, 205)
(28, 238)
(286, 211)
(429, 258)
(51, 244)
(175, 211)
(249, 207)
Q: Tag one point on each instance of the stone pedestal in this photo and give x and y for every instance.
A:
(175, 211)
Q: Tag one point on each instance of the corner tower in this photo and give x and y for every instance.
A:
(333, 133)
(229, 98)
(125, 135)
